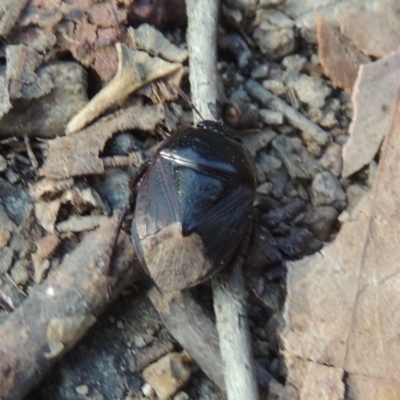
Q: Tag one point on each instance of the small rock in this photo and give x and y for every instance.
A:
(271, 297)
(6, 258)
(270, 117)
(260, 72)
(319, 221)
(265, 188)
(5, 236)
(326, 190)
(274, 325)
(275, 86)
(310, 90)
(237, 47)
(295, 62)
(168, 374)
(270, 3)
(298, 161)
(82, 390)
(239, 96)
(277, 43)
(328, 119)
(19, 272)
(3, 163)
(181, 396)
(148, 391)
(332, 159)
(258, 141)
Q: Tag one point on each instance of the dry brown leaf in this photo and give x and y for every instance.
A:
(374, 104)
(339, 58)
(135, 69)
(342, 308)
(375, 32)
(78, 154)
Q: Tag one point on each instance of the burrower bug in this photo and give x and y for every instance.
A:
(193, 206)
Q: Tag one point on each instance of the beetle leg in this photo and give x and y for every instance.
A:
(139, 175)
(122, 216)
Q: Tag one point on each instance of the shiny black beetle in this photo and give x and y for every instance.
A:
(193, 206)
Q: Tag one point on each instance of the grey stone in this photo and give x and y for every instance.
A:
(319, 221)
(299, 163)
(260, 72)
(271, 117)
(326, 190)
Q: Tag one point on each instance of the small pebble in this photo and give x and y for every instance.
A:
(265, 188)
(82, 390)
(3, 163)
(326, 190)
(270, 117)
(148, 391)
(181, 396)
(295, 62)
(319, 221)
(260, 72)
(332, 159)
(19, 273)
(168, 374)
(275, 86)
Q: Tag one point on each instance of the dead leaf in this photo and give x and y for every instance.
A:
(342, 305)
(78, 154)
(339, 58)
(374, 104)
(135, 69)
(374, 32)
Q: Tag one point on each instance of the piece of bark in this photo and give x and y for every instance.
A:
(9, 13)
(60, 311)
(77, 154)
(339, 58)
(375, 32)
(342, 303)
(374, 103)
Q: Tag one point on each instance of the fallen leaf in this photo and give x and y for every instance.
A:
(78, 154)
(339, 58)
(135, 69)
(374, 104)
(342, 305)
(374, 32)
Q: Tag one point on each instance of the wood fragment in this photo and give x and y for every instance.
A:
(240, 382)
(58, 314)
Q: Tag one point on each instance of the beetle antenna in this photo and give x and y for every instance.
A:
(186, 98)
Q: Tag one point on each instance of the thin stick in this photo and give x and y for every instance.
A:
(201, 38)
(232, 327)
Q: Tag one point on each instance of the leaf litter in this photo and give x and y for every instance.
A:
(341, 311)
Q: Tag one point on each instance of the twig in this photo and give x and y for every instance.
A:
(61, 310)
(238, 368)
(201, 37)
(298, 120)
